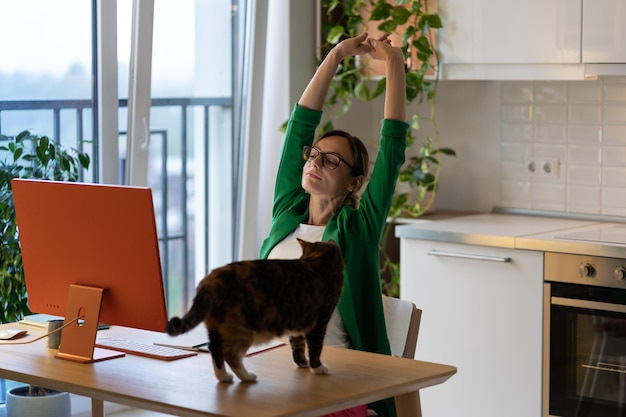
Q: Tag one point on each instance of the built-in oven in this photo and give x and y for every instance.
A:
(584, 373)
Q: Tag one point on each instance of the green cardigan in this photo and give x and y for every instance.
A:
(357, 231)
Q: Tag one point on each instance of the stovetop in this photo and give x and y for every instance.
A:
(605, 233)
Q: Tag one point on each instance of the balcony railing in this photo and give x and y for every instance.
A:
(71, 122)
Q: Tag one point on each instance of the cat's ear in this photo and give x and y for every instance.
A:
(301, 242)
(333, 242)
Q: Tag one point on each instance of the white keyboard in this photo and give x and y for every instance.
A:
(143, 349)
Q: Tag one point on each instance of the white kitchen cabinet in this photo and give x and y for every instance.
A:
(510, 32)
(482, 315)
(604, 33)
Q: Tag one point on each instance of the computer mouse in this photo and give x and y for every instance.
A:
(8, 334)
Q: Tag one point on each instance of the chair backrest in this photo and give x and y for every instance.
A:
(402, 319)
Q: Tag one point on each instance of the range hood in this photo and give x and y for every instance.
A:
(518, 72)
(605, 69)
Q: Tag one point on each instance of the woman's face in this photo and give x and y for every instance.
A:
(319, 179)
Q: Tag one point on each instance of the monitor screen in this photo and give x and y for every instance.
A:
(93, 235)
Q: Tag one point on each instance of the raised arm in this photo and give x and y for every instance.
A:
(395, 96)
(314, 94)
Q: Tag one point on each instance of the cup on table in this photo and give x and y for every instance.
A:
(54, 339)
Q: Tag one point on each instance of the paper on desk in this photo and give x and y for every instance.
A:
(197, 338)
(274, 343)
(39, 320)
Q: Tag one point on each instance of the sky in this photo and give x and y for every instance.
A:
(48, 37)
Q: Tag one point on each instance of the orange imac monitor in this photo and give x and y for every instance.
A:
(90, 251)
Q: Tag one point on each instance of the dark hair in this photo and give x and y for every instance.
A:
(359, 151)
(360, 166)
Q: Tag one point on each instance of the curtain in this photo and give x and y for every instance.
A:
(283, 62)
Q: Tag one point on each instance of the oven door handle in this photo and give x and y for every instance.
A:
(591, 305)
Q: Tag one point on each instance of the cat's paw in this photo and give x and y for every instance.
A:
(302, 363)
(320, 370)
(243, 374)
(248, 377)
(223, 376)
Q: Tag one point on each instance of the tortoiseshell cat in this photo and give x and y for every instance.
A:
(251, 302)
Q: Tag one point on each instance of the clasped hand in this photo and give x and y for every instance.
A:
(379, 49)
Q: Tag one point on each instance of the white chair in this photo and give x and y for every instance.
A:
(402, 319)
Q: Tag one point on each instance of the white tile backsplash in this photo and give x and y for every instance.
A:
(585, 93)
(584, 196)
(550, 93)
(614, 135)
(516, 113)
(587, 175)
(549, 113)
(585, 134)
(556, 133)
(615, 93)
(614, 201)
(615, 113)
(582, 114)
(516, 132)
(583, 124)
(588, 155)
(614, 156)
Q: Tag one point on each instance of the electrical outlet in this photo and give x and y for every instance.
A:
(549, 167)
(543, 167)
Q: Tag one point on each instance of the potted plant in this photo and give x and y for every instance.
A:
(28, 156)
(37, 401)
(414, 25)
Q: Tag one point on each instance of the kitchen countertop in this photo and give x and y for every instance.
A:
(515, 231)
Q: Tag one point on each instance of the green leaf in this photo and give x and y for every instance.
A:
(423, 45)
(362, 91)
(400, 15)
(447, 151)
(380, 87)
(84, 159)
(381, 11)
(433, 19)
(408, 34)
(334, 35)
(22, 135)
(388, 26)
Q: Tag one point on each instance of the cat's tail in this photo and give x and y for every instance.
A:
(178, 325)
(175, 327)
(199, 310)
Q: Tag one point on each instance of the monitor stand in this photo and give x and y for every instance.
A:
(78, 339)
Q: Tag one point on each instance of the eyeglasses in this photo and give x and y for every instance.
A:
(329, 159)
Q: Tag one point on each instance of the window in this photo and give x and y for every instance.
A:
(46, 86)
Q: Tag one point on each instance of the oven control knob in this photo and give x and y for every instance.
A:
(620, 273)
(586, 270)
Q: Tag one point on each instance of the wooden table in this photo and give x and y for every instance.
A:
(188, 387)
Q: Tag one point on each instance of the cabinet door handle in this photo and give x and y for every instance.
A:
(435, 252)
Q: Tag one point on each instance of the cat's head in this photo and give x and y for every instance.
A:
(315, 250)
